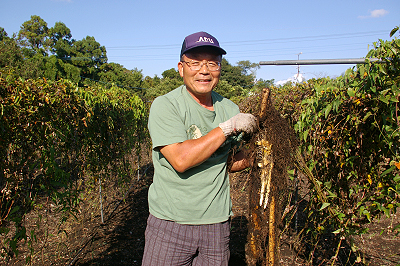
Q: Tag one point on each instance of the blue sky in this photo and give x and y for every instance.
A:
(148, 34)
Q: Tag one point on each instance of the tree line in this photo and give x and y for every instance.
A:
(38, 50)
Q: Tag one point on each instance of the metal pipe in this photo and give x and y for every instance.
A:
(101, 202)
(323, 61)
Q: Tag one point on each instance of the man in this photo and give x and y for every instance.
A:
(191, 129)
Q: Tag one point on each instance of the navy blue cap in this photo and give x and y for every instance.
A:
(199, 39)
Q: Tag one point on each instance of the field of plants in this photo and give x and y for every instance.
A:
(75, 152)
(349, 130)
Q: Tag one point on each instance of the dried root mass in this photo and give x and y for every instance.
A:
(270, 151)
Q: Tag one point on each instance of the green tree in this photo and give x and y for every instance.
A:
(248, 68)
(171, 74)
(150, 82)
(60, 40)
(55, 69)
(265, 83)
(88, 55)
(261, 84)
(120, 76)
(33, 66)
(10, 54)
(3, 34)
(165, 86)
(229, 91)
(237, 75)
(34, 34)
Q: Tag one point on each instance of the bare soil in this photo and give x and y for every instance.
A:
(119, 240)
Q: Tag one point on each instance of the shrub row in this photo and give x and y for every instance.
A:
(52, 134)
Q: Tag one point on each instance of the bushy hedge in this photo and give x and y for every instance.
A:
(349, 128)
(52, 134)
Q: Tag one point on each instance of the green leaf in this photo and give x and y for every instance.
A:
(361, 69)
(366, 116)
(324, 205)
(331, 194)
(394, 30)
(305, 135)
(336, 104)
(389, 170)
(328, 184)
(341, 216)
(366, 213)
(327, 110)
(15, 209)
(383, 98)
(351, 92)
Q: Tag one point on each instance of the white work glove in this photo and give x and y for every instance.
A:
(239, 123)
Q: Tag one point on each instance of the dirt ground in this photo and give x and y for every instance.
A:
(120, 239)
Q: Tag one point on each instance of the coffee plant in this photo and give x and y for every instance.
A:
(53, 134)
(349, 130)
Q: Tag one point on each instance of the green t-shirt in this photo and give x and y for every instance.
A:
(201, 194)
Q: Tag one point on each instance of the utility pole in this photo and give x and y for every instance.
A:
(298, 66)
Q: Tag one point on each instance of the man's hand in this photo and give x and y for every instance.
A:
(239, 123)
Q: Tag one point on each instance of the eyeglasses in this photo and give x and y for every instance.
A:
(197, 65)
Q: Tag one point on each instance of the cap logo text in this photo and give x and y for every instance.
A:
(205, 39)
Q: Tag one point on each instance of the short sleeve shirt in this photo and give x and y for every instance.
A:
(201, 194)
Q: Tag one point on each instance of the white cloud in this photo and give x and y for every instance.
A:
(294, 79)
(376, 13)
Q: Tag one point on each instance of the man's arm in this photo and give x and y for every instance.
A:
(189, 153)
(192, 152)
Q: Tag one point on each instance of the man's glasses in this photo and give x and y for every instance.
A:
(197, 65)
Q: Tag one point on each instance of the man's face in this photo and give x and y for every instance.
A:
(200, 83)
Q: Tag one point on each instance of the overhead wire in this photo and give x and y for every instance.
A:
(309, 38)
(253, 42)
(239, 50)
